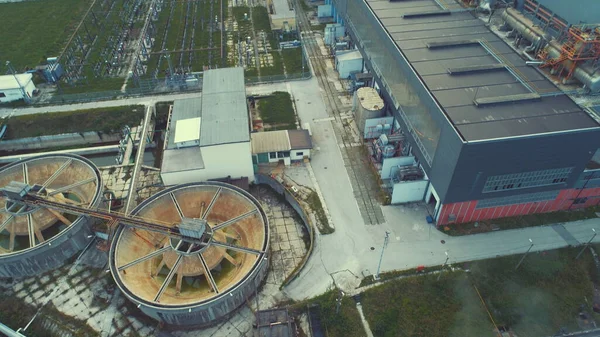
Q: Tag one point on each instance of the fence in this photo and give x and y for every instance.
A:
(62, 140)
(145, 87)
(262, 179)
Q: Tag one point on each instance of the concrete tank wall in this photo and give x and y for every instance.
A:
(57, 250)
(50, 255)
(211, 312)
(203, 312)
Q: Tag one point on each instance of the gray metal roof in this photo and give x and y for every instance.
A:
(183, 109)
(224, 108)
(575, 12)
(186, 159)
(444, 51)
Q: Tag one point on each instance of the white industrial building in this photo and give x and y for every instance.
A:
(348, 62)
(208, 137)
(16, 87)
(283, 145)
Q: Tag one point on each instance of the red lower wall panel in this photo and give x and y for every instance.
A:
(466, 211)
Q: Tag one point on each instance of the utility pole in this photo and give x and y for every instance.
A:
(524, 255)
(385, 242)
(444, 265)
(338, 301)
(586, 244)
(21, 88)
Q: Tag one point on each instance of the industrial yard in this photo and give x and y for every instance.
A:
(113, 45)
(297, 168)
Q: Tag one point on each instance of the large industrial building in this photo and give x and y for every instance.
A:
(209, 136)
(492, 134)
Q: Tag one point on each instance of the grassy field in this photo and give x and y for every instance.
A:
(104, 119)
(33, 30)
(529, 220)
(277, 110)
(345, 324)
(545, 294)
(293, 60)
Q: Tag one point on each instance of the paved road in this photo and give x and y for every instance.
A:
(145, 100)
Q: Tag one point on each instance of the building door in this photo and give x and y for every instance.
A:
(263, 158)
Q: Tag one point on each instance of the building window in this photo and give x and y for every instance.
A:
(2, 94)
(299, 153)
(517, 199)
(283, 154)
(273, 155)
(527, 179)
(580, 201)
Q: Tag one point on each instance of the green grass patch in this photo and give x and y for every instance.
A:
(275, 71)
(545, 294)
(293, 60)
(33, 30)
(315, 204)
(260, 18)
(277, 108)
(530, 220)
(412, 307)
(105, 120)
(346, 323)
(542, 296)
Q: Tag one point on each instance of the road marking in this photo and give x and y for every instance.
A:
(328, 119)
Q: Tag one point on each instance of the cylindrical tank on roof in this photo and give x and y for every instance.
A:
(35, 239)
(368, 105)
(180, 283)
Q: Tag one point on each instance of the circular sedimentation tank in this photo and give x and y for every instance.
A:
(36, 239)
(193, 284)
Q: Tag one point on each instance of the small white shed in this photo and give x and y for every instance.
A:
(16, 87)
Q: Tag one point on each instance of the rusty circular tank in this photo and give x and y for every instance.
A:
(182, 283)
(36, 239)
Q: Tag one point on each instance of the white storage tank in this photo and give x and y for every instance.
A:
(367, 105)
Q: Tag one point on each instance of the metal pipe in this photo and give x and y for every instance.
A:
(583, 73)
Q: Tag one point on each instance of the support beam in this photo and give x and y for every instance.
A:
(56, 174)
(172, 272)
(230, 259)
(60, 216)
(25, 174)
(159, 267)
(234, 220)
(69, 187)
(178, 284)
(177, 207)
(212, 203)
(208, 274)
(6, 222)
(31, 230)
(236, 248)
(11, 240)
(39, 236)
(144, 258)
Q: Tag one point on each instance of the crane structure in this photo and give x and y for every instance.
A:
(192, 231)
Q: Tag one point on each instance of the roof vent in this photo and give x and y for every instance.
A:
(506, 99)
(474, 69)
(427, 13)
(442, 44)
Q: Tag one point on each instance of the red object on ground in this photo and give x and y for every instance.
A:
(420, 268)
